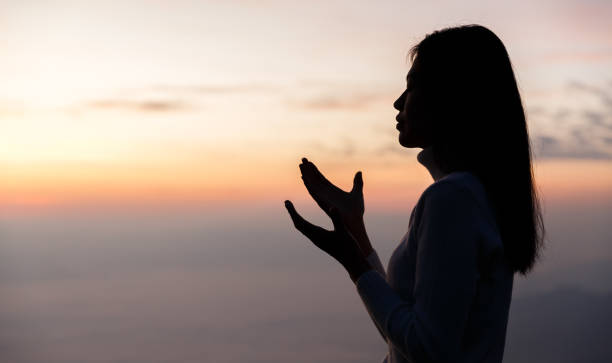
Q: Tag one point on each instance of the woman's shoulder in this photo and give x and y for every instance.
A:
(454, 185)
(460, 187)
(464, 194)
(449, 190)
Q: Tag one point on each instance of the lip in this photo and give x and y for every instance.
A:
(398, 126)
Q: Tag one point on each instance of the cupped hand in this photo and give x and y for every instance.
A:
(349, 205)
(339, 243)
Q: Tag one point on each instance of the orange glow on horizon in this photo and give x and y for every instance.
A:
(386, 187)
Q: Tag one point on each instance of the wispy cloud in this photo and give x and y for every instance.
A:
(572, 57)
(330, 95)
(579, 131)
(348, 103)
(139, 106)
(309, 95)
(216, 89)
(604, 94)
(576, 130)
(172, 97)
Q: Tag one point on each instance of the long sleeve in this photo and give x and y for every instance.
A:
(431, 328)
(374, 261)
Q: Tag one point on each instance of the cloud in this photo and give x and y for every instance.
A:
(573, 57)
(212, 89)
(329, 95)
(576, 146)
(547, 140)
(329, 103)
(313, 95)
(346, 148)
(141, 106)
(598, 119)
(165, 98)
(578, 129)
(561, 115)
(604, 94)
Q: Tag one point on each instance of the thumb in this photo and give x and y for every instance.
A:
(357, 183)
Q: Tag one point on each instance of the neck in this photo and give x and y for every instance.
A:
(425, 158)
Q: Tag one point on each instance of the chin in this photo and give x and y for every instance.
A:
(407, 142)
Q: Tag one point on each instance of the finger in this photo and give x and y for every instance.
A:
(302, 225)
(315, 194)
(312, 189)
(318, 192)
(316, 175)
(298, 220)
(304, 165)
(310, 178)
(314, 169)
(307, 169)
(357, 183)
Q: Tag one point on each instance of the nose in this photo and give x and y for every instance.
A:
(399, 103)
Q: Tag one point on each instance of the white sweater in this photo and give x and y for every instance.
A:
(447, 290)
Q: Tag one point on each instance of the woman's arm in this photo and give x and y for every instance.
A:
(445, 281)
(350, 205)
(374, 261)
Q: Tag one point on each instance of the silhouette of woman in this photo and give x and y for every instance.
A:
(446, 293)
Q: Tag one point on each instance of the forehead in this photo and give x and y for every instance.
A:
(411, 76)
(414, 70)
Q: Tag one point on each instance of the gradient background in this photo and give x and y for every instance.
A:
(147, 148)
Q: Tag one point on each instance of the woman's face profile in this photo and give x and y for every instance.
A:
(412, 122)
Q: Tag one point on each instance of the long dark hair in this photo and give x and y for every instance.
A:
(479, 125)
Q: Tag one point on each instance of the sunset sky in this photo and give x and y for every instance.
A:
(147, 147)
(216, 101)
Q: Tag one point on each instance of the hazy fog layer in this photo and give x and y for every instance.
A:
(243, 286)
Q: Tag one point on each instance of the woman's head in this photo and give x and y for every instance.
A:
(413, 121)
(462, 100)
(460, 81)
